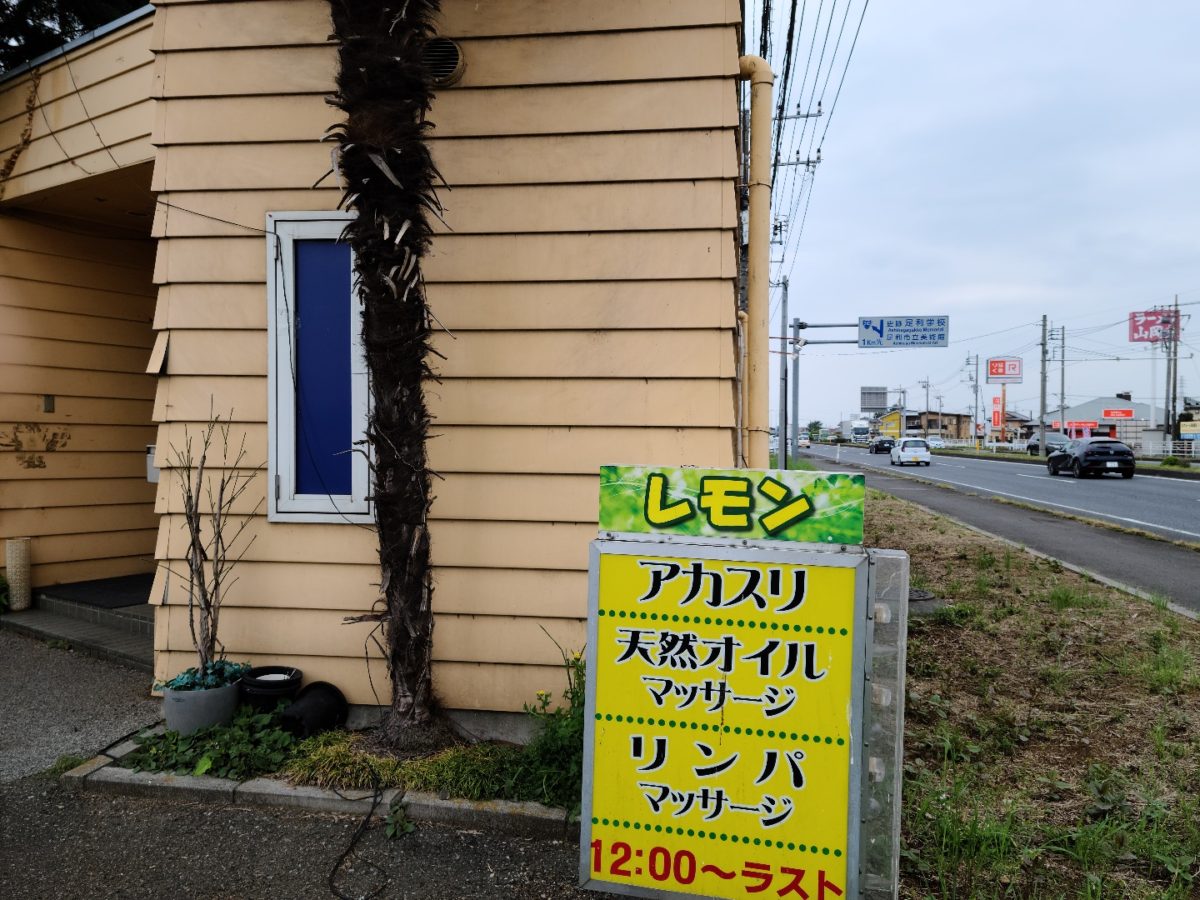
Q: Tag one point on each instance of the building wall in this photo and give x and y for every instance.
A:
(75, 314)
(76, 304)
(92, 114)
(588, 282)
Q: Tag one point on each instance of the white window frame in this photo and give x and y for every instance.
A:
(284, 504)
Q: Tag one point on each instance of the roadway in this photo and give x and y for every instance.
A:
(960, 488)
(1168, 507)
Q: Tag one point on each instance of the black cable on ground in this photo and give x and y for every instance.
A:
(376, 799)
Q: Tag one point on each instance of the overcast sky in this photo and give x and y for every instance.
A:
(994, 162)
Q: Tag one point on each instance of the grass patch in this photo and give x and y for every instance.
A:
(1052, 728)
(1169, 670)
(62, 765)
(1064, 596)
(547, 770)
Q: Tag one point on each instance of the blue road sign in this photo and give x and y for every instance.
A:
(903, 331)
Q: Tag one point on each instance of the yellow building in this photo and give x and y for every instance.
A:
(161, 200)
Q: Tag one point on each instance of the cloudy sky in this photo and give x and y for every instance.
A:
(994, 162)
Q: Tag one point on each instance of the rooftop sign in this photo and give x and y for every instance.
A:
(1151, 326)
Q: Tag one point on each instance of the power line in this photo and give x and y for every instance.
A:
(792, 244)
(849, 56)
(781, 108)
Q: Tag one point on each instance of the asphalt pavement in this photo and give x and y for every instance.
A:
(1168, 507)
(55, 842)
(54, 702)
(1153, 566)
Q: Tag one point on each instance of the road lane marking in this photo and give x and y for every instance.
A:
(1076, 509)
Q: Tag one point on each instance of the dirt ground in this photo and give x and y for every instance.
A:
(1052, 736)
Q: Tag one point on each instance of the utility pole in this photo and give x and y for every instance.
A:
(925, 412)
(1168, 432)
(903, 392)
(1171, 351)
(782, 461)
(1062, 379)
(941, 428)
(1153, 378)
(795, 417)
(974, 360)
(1176, 334)
(1042, 409)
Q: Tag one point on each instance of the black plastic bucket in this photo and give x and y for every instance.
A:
(264, 687)
(320, 707)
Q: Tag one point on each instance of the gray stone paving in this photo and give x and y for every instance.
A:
(95, 638)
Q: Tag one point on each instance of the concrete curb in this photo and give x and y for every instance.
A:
(523, 819)
(270, 792)
(102, 775)
(114, 780)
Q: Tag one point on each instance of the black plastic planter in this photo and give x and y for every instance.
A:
(264, 687)
(320, 707)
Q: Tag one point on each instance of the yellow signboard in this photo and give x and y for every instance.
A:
(723, 721)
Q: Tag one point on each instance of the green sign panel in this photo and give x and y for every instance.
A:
(754, 504)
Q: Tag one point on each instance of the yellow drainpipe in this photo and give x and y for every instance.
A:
(756, 403)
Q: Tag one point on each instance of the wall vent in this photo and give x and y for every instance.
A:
(443, 60)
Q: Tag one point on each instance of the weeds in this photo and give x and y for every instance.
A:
(253, 744)
(397, 823)
(959, 615)
(62, 765)
(335, 759)
(982, 587)
(1063, 597)
(1169, 670)
(549, 769)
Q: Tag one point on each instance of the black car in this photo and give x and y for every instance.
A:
(1092, 456)
(882, 445)
(1055, 440)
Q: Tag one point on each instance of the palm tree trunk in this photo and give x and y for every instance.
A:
(388, 178)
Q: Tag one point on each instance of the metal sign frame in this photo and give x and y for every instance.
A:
(847, 557)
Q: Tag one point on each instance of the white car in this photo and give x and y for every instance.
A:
(935, 443)
(803, 442)
(910, 450)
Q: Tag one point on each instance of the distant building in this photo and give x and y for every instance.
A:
(898, 423)
(1116, 417)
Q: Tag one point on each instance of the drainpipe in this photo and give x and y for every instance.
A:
(755, 449)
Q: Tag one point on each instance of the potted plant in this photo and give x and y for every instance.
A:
(207, 693)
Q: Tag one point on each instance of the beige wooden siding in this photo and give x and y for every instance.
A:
(587, 274)
(75, 313)
(93, 112)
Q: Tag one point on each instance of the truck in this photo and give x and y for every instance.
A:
(856, 431)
